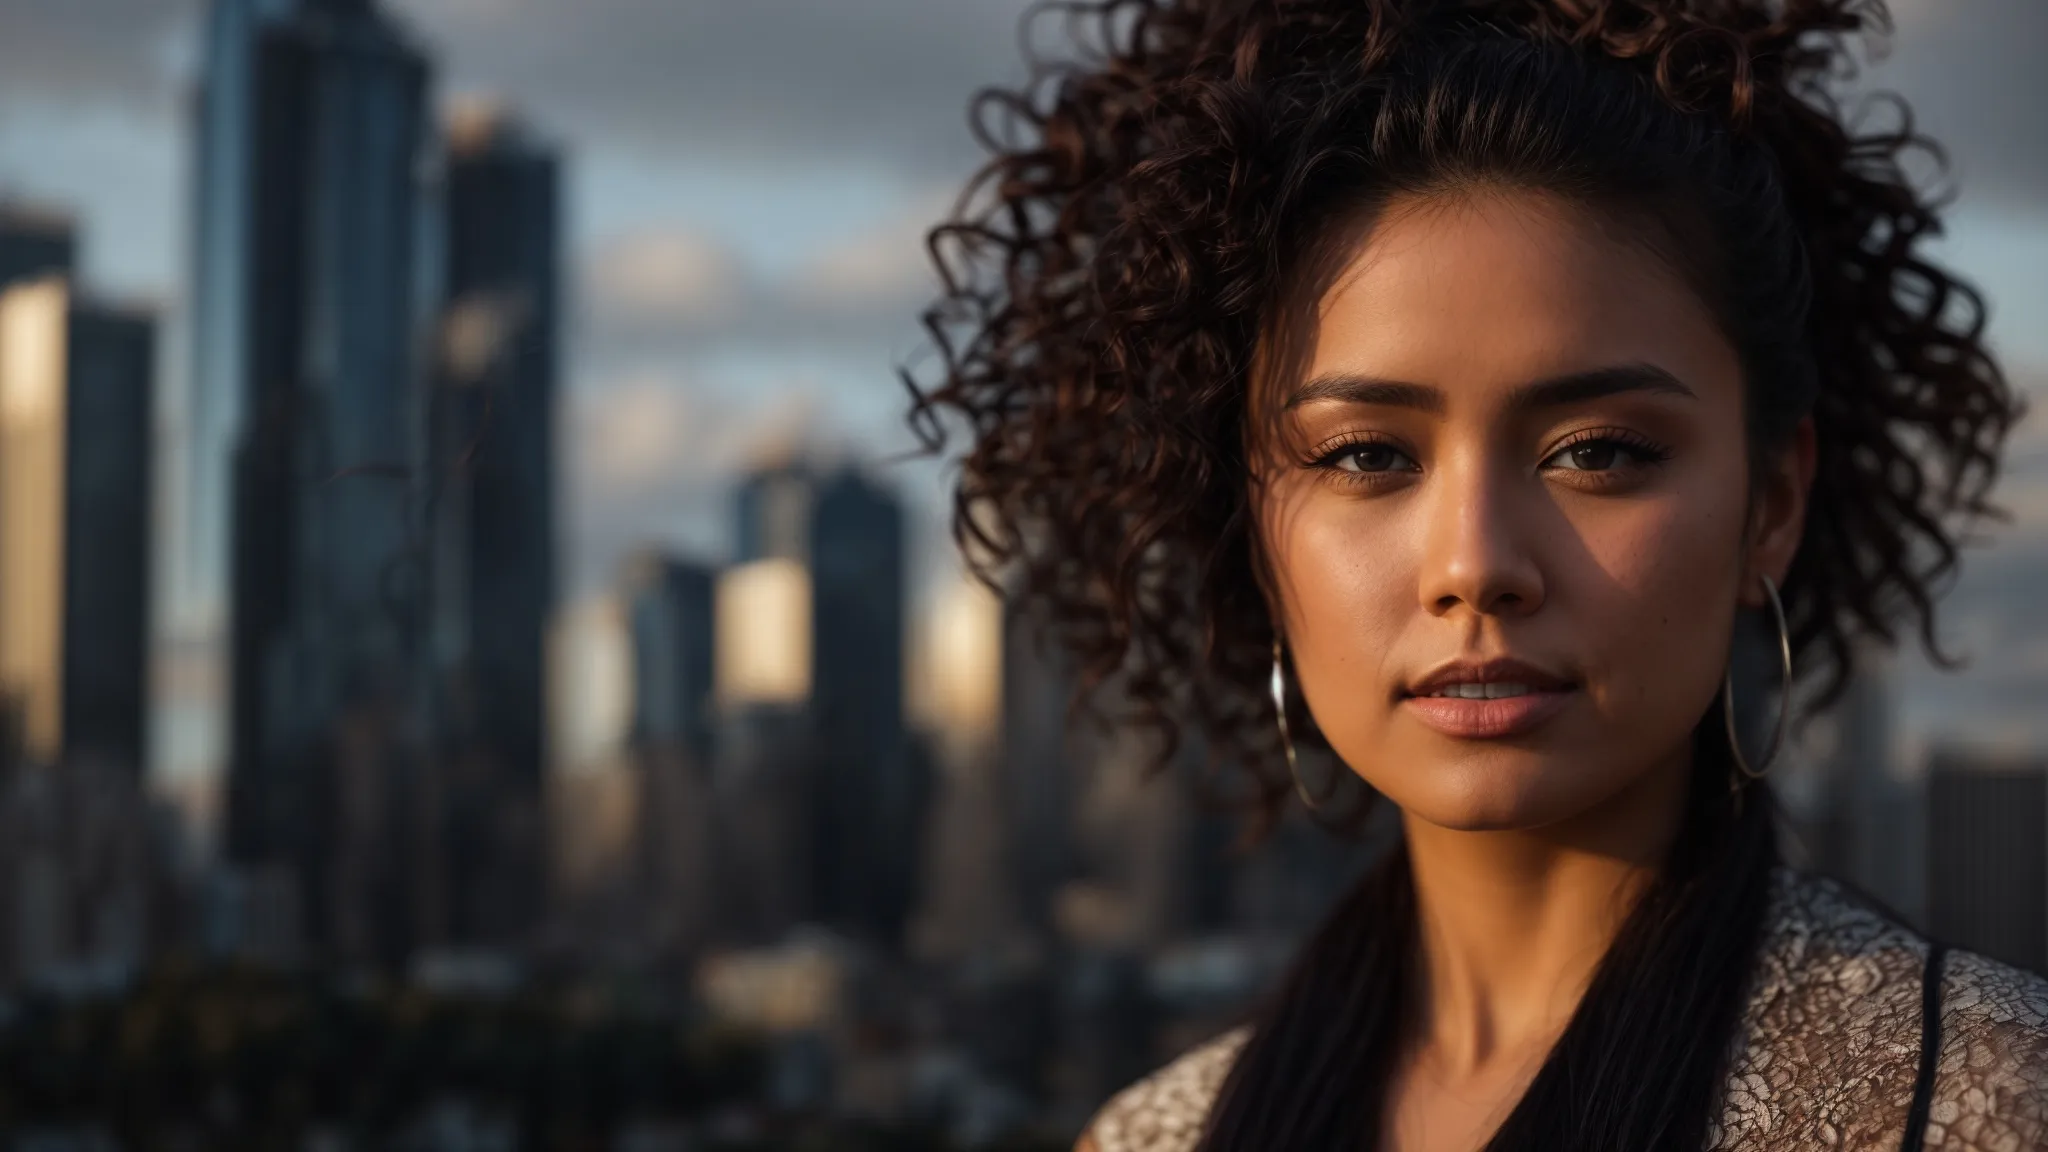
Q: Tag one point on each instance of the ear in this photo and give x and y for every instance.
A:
(1778, 521)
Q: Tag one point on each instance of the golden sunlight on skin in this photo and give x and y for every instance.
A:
(1466, 537)
(1517, 435)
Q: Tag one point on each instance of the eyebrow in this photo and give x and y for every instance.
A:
(1554, 392)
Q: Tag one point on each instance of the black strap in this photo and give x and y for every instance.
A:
(1930, 1049)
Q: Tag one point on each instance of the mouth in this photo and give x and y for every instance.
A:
(1488, 700)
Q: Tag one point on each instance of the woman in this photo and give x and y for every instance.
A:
(1443, 384)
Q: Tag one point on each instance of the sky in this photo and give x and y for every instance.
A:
(747, 184)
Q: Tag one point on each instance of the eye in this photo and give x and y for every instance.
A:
(1604, 452)
(1367, 456)
(1590, 455)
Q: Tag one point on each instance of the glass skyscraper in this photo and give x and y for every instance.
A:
(76, 399)
(870, 792)
(491, 481)
(223, 115)
(326, 562)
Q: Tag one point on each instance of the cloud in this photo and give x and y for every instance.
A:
(651, 453)
(884, 81)
(887, 264)
(1971, 69)
(664, 277)
(91, 52)
(631, 435)
(679, 292)
(887, 82)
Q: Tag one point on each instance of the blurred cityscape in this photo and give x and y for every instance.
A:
(785, 848)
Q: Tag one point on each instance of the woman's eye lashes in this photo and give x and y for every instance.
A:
(1364, 457)
(1602, 450)
(1595, 451)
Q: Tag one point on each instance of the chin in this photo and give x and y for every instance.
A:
(1492, 793)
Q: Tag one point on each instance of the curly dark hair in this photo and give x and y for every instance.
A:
(1150, 201)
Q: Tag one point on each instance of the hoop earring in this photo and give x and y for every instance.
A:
(1286, 739)
(1784, 695)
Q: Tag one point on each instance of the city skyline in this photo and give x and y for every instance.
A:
(748, 272)
(568, 714)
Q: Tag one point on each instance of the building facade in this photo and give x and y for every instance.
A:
(326, 561)
(869, 788)
(35, 242)
(490, 482)
(1987, 857)
(76, 399)
(671, 609)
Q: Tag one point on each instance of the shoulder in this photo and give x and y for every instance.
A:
(1830, 1044)
(1164, 1111)
(1991, 1085)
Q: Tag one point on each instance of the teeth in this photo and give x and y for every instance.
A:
(1494, 691)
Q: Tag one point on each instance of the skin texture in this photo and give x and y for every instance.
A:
(1610, 540)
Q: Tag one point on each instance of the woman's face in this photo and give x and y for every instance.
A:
(1515, 468)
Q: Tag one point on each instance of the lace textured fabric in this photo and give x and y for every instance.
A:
(1826, 1057)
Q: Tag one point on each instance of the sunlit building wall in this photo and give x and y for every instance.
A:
(959, 676)
(592, 800)
(75, 459)
(590, 683)
(763, 634)
(967, 905)
(32, 422)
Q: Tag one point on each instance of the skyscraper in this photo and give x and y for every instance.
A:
(224, 110)
(75, 458)
(671, 605)
(871, 789)
(1987, 857)
(491, 484)
(876, 784)
(326, 562)
(107, 550)
(767, 784)
(34, 242)
(1040, 767)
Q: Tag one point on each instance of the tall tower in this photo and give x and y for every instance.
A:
(671, 606)
(875, 787)
(35, 242)
(75, 406)
(1039, 768)
(491, 475)
(1987, 856)
(224, 113)
(871, 788)
(325, 560)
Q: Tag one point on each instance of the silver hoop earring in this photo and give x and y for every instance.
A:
(1784, 694)
(1286, 739)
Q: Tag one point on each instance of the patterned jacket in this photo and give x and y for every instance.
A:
(1827, 1055)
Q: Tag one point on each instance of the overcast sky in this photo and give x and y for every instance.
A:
(747, 183)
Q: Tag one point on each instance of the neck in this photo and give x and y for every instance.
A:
(1512, 924)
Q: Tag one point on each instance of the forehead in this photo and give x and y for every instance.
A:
(1489, 290)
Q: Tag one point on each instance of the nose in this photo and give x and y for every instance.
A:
(1480, 546)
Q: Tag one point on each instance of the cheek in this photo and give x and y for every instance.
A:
(1654, 610)
(1347, 583)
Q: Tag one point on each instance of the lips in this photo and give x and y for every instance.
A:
(1490, 699)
